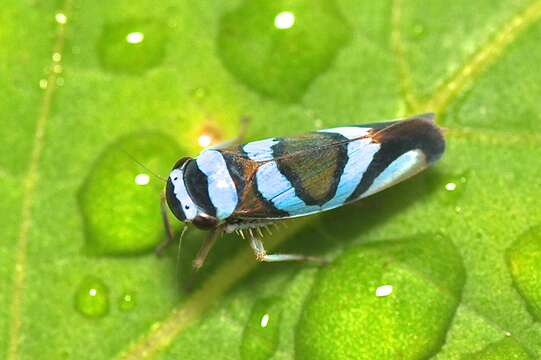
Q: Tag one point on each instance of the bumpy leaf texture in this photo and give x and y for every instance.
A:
(445, 265)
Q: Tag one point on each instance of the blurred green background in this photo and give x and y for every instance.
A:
(456, 250)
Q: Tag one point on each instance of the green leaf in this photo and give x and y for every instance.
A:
(88, 86)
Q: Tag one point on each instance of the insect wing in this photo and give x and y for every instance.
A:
(329, 168)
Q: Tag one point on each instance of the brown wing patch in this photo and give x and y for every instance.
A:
(251, 203)
(314, 166)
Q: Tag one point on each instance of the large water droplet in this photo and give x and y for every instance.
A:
(524, 260)
(120, 200)
(92, 297)
(346, 318)
(132, 46)
(279, 47)
(261, 332)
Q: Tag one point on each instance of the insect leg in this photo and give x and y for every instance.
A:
(167, 226)
(261, 254)
(205, 248)
(244, 121)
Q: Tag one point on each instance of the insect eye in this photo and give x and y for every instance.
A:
(175, 178)
(186, 207)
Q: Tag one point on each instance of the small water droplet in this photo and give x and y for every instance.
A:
(43, 84)
(92, 298)
(524, 262)
(57, 57)
(454, 188)
(282, 49)
(119, 199)
(261, 332)
(135, 37)
(418, 31)
(483, 110)
(199, 93)
(127, 301)
(451, 188)
(132, 46)
(142, 179)
(60, 18)
(284, 20)
(384, 290)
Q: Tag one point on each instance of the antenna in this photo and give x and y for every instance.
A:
(178, 251)
(144, 166)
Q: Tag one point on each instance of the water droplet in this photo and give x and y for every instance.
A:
(199, 93)
(60, 18)
(57, 57)
(261, 332)
(43, 84)
(279, 47)
(384, 290)
(451, 188)
(454, 188)
(524, 261)
(284, 20)
(418, 31)
(127, 301)
(135, 37)
(132, 46)
(119, 199)
(92, 297)
(418, 319)
(142, 179)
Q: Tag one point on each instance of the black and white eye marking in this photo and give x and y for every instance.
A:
(188, 206)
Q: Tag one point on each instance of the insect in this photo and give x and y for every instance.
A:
(247, 187)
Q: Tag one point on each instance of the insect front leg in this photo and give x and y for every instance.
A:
(261, 254)
(205, 248)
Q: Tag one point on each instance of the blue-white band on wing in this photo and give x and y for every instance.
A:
(222, 191)
(360, 154)
(260, 150)
(349, 132)
(275, 187)
(403, 167)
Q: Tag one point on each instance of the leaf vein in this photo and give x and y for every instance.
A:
(483, 57)
(397, 48)
(29, 186)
